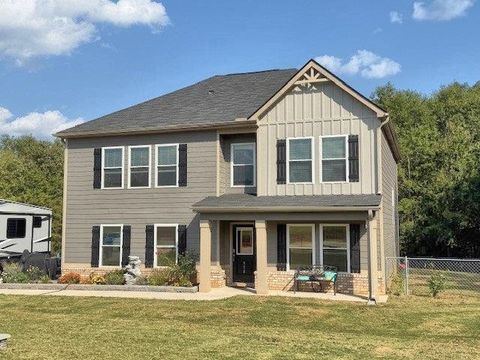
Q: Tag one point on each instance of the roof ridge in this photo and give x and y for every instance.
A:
(257, 72)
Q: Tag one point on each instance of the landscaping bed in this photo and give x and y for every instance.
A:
(91, 287)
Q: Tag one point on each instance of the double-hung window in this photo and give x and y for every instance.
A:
(300, 240)
(166, 241)
(334, 159)
(335, 245)
(139, 167)
(112, 168)
(300, 163)
(243, 164)
(111, 245)
(167, 165)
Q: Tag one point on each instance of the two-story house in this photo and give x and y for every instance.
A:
(258, 173)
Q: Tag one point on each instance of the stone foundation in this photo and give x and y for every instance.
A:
(354, 284)
(218, 278)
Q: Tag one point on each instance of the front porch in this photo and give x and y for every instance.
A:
(230, 252)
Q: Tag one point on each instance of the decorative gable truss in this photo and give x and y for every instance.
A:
(310, 77)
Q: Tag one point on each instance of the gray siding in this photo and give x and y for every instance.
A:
(323, 109)
(136, 207)
(389, 201)
(225, 163)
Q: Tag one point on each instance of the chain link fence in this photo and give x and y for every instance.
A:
(417, 276)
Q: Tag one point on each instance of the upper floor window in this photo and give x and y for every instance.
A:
(139, 167)
(16, 228)
(334, 158)
(167, 165)
(112, 167)
(299, 160)
(111, 245)
(243, 164)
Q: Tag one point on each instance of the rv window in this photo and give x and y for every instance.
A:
(37, 221)
(16, 228)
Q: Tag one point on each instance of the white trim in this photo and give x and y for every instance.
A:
(155, 227)
(288, 243)
(156, 165)
(103, 167)
(312, 151)
(100, 254)
(129, 166)
(346, 181)
(240, 229)
(232, 164)
(347, 227)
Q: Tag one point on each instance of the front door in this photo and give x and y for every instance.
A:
(243, 256)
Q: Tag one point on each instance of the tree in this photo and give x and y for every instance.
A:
(31, 171)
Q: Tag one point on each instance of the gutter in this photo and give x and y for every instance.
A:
(211, 209)
(147, 131)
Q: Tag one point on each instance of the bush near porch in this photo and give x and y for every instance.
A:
(239, 328)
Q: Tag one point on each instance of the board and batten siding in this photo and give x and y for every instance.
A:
(321, 110)
(136, 207)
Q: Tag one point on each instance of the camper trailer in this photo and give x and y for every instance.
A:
(24, 227)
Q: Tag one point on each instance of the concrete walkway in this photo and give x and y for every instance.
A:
(215, 294)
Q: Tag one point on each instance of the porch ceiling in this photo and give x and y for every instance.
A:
(316, 203)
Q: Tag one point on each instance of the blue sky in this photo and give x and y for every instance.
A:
(103, 56)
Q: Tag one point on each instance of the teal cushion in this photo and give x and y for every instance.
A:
(329, 275)
(303, 277)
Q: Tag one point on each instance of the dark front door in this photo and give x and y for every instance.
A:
(243, 253)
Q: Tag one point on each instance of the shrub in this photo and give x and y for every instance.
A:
(114, 278)
(141, 280)
(397, 286)
(436, 283)
(70, 278)
(12, 273)
(44, 279)
(183, 282)
(187, 265)
(34, 273)
(159, 277)
(97, 279)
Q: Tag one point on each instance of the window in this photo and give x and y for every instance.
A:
(111, 245)
(300, 240)
(244, 241)
(334, 159)
(16, 228)
(37, 221)
(336, 252)
(139, 167)
(300, 164)
(243, 164)
(167, 165)
(166, 245)
(112, 165)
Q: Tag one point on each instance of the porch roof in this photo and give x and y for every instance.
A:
(305, 203)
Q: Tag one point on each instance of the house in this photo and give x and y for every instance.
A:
(24, 227)
(258, 173)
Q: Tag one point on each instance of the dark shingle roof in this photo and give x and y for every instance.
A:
(247, 202)
(221, 98)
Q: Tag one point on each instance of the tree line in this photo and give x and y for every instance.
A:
(439, 170)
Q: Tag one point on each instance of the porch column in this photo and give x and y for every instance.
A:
(372, 258)
(261, 283)
(205, 256)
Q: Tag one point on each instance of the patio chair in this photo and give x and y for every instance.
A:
(316, 274)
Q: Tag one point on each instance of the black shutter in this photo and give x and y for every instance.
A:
(97, 168)
(182, 165)
(127, 234)
(149, 246)
(281, 161)
(355, 248)
(281, 247)
(95, 245)
(353, 175)
(182, 239)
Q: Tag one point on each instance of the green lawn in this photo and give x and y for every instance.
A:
(239, 328)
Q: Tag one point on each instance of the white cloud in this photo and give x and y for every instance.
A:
(40, 125)
(363, 62)
(32, 28)
(396, 17)
(441, 10)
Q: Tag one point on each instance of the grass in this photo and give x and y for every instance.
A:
(239, 328)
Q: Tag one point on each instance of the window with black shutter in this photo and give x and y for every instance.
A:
(182, 165)
(281, 247)
(281, 161)
(353, 159)
(149, 245)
